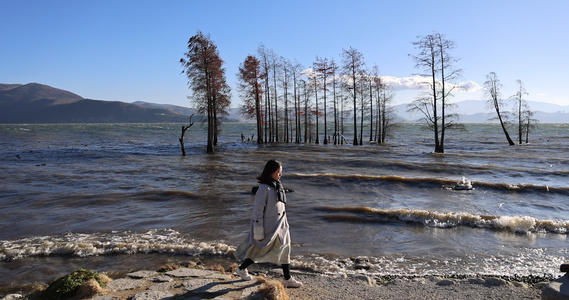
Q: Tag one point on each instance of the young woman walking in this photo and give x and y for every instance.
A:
(269, 237)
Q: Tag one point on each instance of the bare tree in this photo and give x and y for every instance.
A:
(520, 109)
(529, 122)
(275, 66)
(353, 64)
(306, 103)
(315, 85)
(296, 68)
(286, 70)
(375, 89)
(387, 118)
(435, 59)
(325, 69)
(264, 55)
(363, 102)
(493, 86)
(181, 139)
(334, 69)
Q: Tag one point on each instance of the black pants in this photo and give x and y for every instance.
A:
(248, 262)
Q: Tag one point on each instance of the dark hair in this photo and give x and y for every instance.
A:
(270, 167)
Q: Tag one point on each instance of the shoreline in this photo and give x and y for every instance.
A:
(210, 279)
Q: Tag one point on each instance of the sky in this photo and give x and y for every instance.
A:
(122, 50)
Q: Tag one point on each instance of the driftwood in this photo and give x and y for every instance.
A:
(184, 129)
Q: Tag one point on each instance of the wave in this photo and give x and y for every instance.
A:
(517, 224)
(171, 242)
(116, 242)
(438, 182)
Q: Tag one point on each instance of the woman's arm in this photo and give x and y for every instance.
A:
(259, 211)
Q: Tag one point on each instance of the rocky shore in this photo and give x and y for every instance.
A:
(195, 280)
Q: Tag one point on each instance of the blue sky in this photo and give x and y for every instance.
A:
(130, 50)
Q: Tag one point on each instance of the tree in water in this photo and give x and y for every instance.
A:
(250, 77)
(353, 64)
(493, 86)
(325, 69)
(435, 59)
(206, 78)
(523, 113)
(181, 139)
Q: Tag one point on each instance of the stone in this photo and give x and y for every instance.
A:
(496, 281)
(124, 284)
(106, 297)
(141, 274)
(564, 268)
(198, 285)
(445, 282)
(219, 276)
(368, 280)
(13, 297)
(162, 286)
(187, 272)
(557, 289)
(476, 281)
(519, 284)
(161, 278)
(152, 295)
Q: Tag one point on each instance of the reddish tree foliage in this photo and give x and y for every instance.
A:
(250, 77)
(206, 78)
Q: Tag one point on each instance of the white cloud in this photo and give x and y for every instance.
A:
(470, 87)
(418, 82)
(307, 72)
(414, 82)
(404, 83)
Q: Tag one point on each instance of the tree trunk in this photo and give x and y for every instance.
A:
(317, 112)
(181, 139)
(504, 128)
(520, 124)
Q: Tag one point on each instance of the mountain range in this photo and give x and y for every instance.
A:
(38, 103)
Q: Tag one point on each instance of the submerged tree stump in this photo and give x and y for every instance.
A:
(181, 139)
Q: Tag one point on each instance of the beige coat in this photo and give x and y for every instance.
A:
(269, 218)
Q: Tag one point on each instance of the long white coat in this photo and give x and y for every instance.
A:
(268, 220)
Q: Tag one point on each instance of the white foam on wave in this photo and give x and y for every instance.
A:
(527, 262)
(517, 224)
(521, 224)
(83, 245)
(530, 262)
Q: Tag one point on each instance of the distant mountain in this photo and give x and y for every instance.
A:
(173, 108)
(476, 111)
(38, 103)
(233, 115)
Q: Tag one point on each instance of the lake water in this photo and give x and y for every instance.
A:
(116, 197)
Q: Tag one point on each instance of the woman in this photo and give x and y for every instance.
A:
(269, 237)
